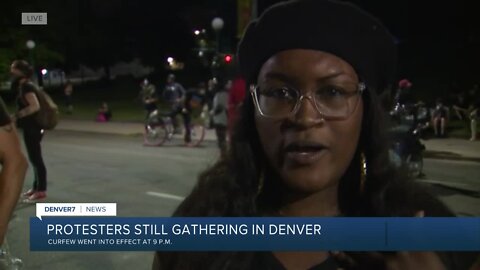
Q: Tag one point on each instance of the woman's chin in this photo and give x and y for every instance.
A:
(307, 181)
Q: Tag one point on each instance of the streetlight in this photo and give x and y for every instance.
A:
(217, 25)
(30, 44)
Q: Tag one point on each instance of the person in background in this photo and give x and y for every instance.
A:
(200, 100)
(439, 118)
(473, 110)
(236, 95)
(175, 95)
(219, 114)
(460, 107)
(148, 95)
(404, 92)
(466, 108)
(200, 95)
(474, 115)
(13, 169)
(104, 113)
(27, 106)
(68, 91)
(311, 142)
(212, 86)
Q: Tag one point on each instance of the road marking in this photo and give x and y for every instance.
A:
(165, 195)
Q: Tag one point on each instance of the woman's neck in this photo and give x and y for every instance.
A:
(319, 204)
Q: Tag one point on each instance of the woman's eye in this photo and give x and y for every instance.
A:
(331, 92)
(280, 93)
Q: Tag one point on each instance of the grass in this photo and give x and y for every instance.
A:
(122, 111)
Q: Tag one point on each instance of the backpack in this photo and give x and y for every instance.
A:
(47, 117)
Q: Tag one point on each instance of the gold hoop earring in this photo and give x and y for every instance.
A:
(363, 172)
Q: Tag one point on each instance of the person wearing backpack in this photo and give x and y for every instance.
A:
(28, 107)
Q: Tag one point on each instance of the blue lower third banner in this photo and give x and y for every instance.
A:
(253, 234)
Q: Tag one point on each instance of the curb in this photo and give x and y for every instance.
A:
(464, 190)
(133, 134)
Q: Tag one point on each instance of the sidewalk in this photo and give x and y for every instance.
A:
(457, 149)
(451, 148)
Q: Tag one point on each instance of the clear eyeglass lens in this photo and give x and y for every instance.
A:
(331, 101)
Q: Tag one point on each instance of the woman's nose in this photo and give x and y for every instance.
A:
(307, 113)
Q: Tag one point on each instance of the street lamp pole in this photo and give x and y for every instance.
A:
(30, 46)
(217, 25)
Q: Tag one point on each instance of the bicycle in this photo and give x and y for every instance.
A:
(159, 129)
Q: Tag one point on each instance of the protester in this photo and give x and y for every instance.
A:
(474, 115)
(148, 95)
(466, 109)
(104, 113)
(473, 111)
(460, 107)
(27, 106)
(404, 92)
(212, 88)
(236, 96)
(68, 91)
(219, 113)
(174, 94)
(439, 118)
(13, 169)
(310, 141)
(199, 96)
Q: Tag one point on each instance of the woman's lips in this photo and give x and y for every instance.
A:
(303, 153)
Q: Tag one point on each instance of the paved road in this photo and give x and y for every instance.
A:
(457, 183)
(143, 181)
(147, 181)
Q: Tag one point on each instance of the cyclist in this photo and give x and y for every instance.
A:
(176, 97)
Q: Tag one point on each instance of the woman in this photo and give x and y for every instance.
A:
(309, 141)
(28, 105)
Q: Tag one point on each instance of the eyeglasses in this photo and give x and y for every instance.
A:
(331, 102)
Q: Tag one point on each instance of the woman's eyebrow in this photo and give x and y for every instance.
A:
(330, 76)
(274, 75)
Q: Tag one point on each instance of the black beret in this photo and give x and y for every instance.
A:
(331, 26)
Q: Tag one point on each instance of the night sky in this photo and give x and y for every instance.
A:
(439, 41)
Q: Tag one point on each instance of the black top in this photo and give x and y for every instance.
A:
(4, 117)
(172, 92)
(24, 89)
